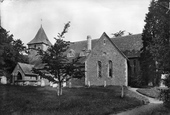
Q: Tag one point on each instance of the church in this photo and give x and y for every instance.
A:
(22, 73)
(107, 61)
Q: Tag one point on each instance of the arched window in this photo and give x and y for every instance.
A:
(99, 69)
(19, 76)
(110, 67)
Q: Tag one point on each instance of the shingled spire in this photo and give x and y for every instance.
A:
(40, 41)
(40, 38)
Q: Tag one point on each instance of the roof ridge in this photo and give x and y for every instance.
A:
(109, 37)
(124, 43)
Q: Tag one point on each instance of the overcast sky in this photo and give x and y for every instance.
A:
(88, 17)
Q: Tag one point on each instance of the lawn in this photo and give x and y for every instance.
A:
(150, 92)
(27, 100)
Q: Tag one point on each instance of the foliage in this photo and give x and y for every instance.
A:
(165, 97)
(166, 93)
(129, 33)
(156, 43)
(119, 33)
(57, 64)
(156, 48)
(137, 81)
(10, 51)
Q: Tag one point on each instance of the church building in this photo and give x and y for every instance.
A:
(107, 61)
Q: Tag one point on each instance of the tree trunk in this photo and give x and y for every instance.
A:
(59, 89)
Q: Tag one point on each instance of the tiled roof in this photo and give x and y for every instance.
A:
(129, 45)
(130, 42)
(40, 37)
(27, 68)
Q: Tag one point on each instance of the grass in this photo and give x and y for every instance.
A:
(150, 92)
(28, 100)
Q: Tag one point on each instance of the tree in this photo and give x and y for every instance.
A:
(119, 33)
(129, 33)
(156, 43)
(10, 51)
(56, 63)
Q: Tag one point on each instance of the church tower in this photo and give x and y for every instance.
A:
(40, 41)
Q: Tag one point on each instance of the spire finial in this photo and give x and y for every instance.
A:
(41, 22)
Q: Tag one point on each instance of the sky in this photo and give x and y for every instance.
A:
(88, 17)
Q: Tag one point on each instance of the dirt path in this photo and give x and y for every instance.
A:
(151, 100)
(149, 109)
(155, 107)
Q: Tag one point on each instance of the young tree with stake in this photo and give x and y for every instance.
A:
(56, 63)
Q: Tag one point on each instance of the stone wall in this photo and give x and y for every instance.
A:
(105, 51)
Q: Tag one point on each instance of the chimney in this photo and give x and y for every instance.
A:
(89, 45)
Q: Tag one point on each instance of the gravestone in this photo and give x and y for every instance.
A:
(55, 85)
(64, 84)
(42, 83)
(3, 80)
(163, 77)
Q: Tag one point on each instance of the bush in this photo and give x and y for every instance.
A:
(165, 94)
(165, 97)
(137, 81)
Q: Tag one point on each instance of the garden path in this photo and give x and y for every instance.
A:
(153, 108)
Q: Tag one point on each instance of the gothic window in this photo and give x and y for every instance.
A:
(71, 53)
(110, 69)
(99, 69)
